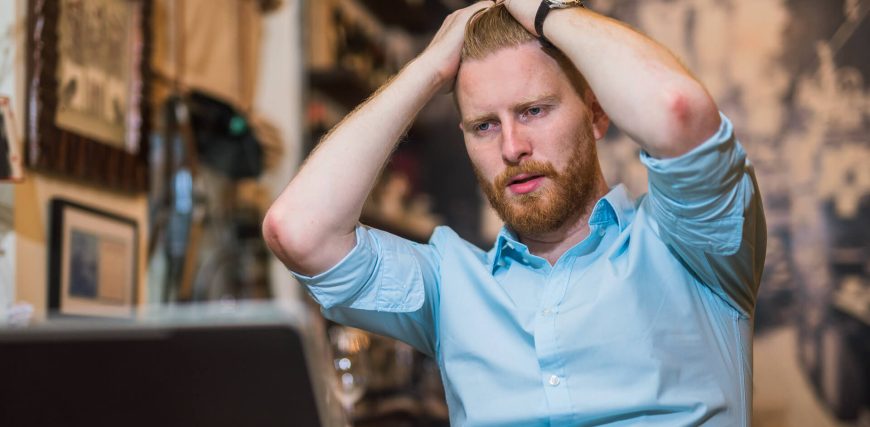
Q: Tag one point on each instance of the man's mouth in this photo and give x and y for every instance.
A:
(525, 183)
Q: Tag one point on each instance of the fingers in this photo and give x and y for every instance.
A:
(460, 17)
(483, 5)
(477, 8)
(443, 52)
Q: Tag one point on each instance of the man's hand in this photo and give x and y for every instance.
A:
(524, 12)
(645, 90)
(444, 50)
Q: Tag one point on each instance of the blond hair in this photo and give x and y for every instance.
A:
(494, 29)
(491, 30)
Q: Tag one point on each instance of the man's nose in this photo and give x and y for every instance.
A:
(515, 143)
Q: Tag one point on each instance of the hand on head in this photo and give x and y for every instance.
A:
(444, 50)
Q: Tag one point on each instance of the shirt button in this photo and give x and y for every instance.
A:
(602, 232)
(547, 312)
(554, 380)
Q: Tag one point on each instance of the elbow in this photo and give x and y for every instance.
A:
(283, 239)
(691, 117)
(273, 235)
(302, 242)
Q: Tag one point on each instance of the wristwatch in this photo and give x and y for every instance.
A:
(544, 10)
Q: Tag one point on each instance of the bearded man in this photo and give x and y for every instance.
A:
(591, 308)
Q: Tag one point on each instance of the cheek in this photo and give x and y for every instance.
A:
(481, 159)
(565, 144)
(579, 133)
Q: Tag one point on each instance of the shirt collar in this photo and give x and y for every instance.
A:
(615, 206)
(615, 203)
(505, 243)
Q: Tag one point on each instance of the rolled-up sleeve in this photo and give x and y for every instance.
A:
(708, 209)
(385, 284)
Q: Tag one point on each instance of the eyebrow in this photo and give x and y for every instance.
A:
(479, 119)
(546, 99)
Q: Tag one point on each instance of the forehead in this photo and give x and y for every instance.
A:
(507, 77)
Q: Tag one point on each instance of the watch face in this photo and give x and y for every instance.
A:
(561, 4)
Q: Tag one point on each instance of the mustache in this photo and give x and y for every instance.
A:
(529, 167)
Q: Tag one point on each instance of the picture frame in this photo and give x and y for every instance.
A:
(93, 262)
(11, 167)
(88, 73)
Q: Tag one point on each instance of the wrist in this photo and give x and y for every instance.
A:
(434, 70)
(524, 12)
(545, 9)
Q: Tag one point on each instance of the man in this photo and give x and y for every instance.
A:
(590, 309)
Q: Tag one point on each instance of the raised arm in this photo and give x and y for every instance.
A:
(643, 87)
(310, 227)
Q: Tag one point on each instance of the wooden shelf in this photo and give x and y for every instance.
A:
(415, 17)
(348, 90)
(342, 86)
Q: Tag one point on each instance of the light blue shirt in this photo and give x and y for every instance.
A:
(648, 321)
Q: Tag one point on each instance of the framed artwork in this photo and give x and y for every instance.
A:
(87, 104)
(11, 168)
(92, 262)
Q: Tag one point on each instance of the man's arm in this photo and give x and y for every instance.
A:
(310, 227)
(705, 201)
(642, 86)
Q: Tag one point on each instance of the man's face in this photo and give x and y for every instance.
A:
(530, 136)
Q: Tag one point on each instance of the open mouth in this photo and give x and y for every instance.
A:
(525, 183)
(519, 179)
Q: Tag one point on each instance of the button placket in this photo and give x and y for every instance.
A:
(550, 360)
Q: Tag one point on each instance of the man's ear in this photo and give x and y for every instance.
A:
(600, 120)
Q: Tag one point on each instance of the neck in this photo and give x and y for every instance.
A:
(552, 244)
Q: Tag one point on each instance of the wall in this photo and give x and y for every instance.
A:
(31, 198)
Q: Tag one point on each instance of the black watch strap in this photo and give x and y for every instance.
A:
(544, 10)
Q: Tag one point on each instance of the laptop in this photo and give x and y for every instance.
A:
(206, 365)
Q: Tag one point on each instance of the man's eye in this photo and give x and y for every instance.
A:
(534, 111)
(483, 127)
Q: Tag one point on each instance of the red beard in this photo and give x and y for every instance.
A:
(550, 206)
